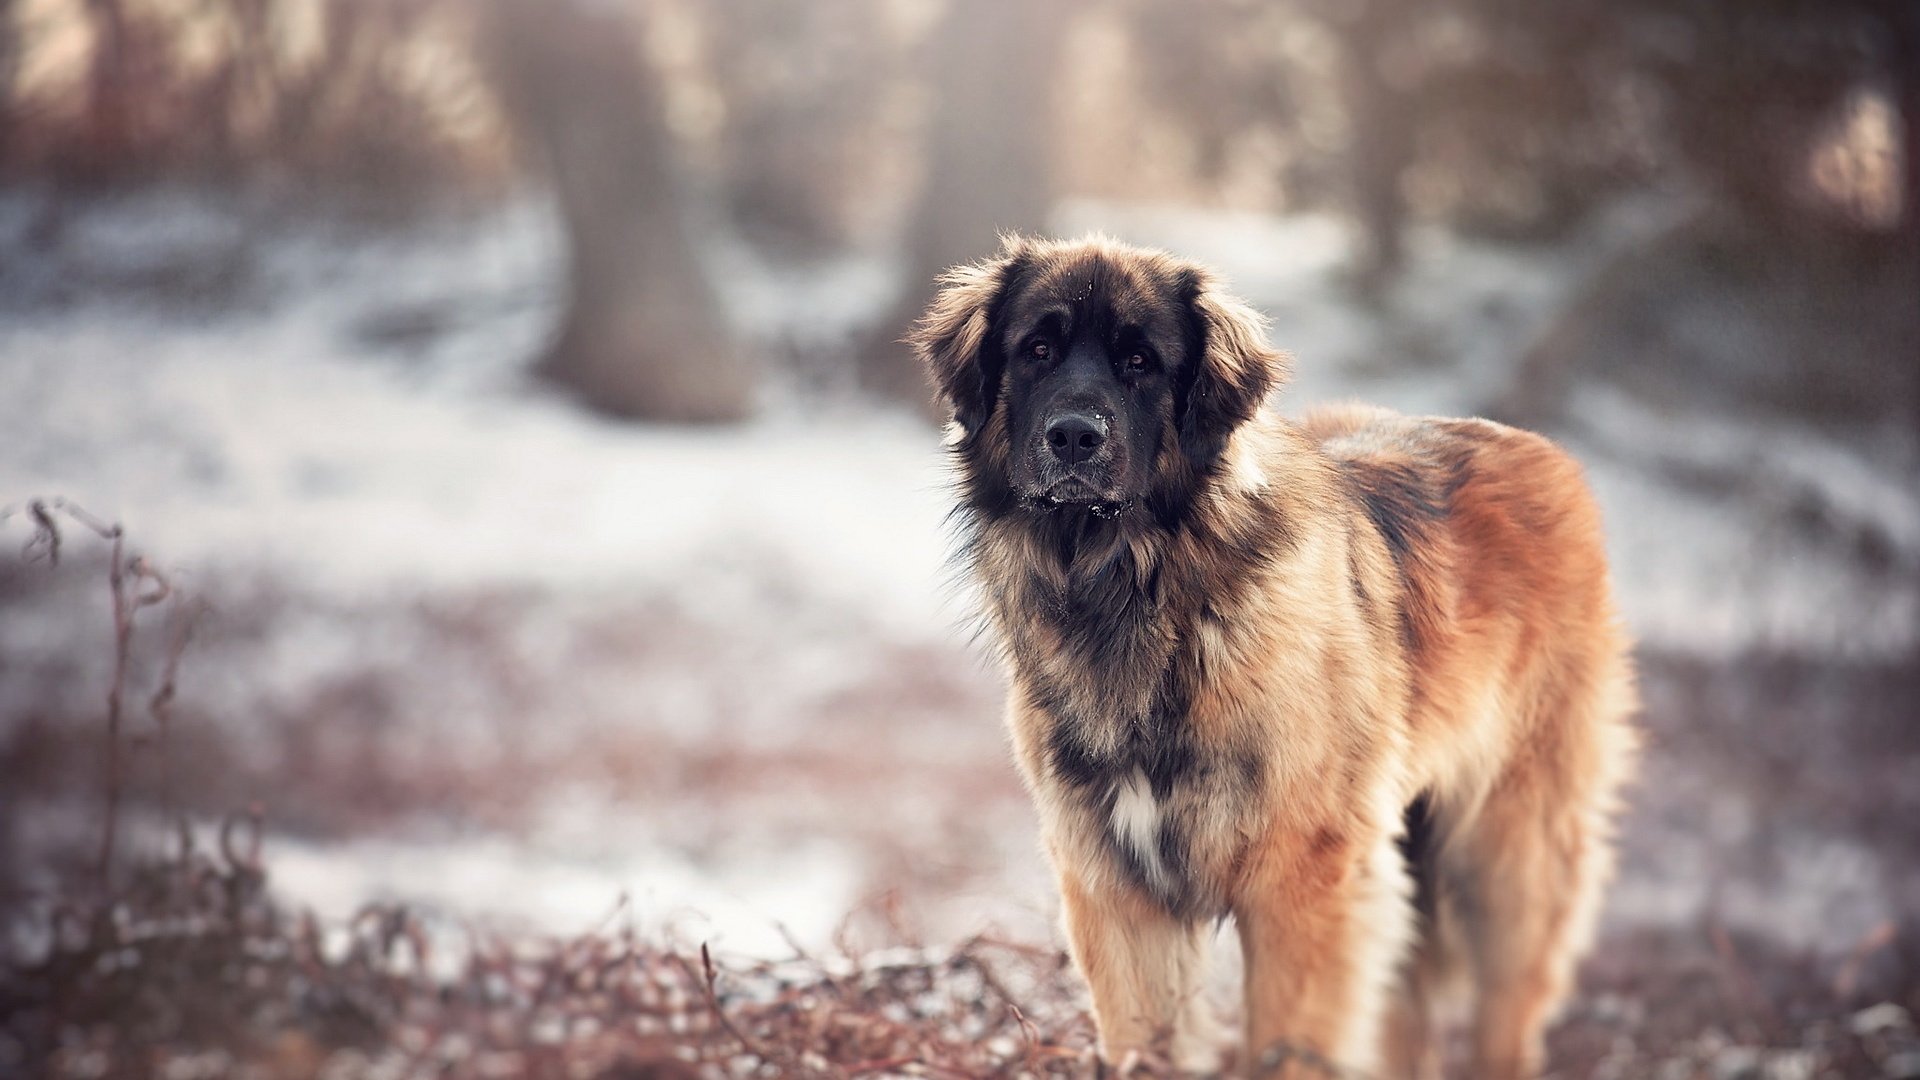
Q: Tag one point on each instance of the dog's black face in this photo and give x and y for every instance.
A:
(1091, 376)
(1094, 355)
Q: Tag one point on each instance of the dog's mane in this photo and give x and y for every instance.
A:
(1200, 536)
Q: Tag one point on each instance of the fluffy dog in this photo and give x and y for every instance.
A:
(1356, 682)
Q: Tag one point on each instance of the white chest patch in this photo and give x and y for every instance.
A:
(1136, 824)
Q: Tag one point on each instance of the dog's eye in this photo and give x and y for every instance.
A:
(1040, 350)
(1137, 363)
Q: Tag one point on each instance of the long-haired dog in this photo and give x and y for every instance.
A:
(1356, 681)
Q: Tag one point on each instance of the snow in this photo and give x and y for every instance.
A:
(799, 893)
(1724, 570)
(280, 438)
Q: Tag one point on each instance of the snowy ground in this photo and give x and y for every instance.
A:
(478, 650)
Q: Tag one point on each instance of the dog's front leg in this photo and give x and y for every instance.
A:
(1324, 921)
(1145, 969)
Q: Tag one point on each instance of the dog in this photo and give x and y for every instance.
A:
(1354, 682)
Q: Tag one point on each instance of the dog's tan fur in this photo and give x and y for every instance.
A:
(1369, 611)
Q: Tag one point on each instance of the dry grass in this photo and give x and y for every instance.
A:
(183, 965)
(191, 970)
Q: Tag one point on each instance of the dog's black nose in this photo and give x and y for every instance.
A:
(1073, 438)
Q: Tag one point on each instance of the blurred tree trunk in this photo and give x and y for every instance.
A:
(107, 130)
(987, 159)
(644, 335)
(1380, 116)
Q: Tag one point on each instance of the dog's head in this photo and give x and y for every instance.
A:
(1090, 374)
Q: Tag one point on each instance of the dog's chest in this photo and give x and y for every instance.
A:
(1110, 673)
(1138, 824)
(1167, 837)
(1159, 799)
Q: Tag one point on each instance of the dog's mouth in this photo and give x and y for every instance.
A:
(1075, 492)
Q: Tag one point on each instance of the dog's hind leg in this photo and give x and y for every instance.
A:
(1410, 1052)
(1528, 872)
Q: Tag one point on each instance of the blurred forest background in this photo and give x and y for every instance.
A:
(508, 396)
(903, 124)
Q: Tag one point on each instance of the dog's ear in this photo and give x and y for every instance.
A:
(955, 337)
(1232, 370)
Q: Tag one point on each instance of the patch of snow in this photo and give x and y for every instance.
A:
(814, 306)
(1829, 892)
(807, 889)
(267, 443)
(1721, 571)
